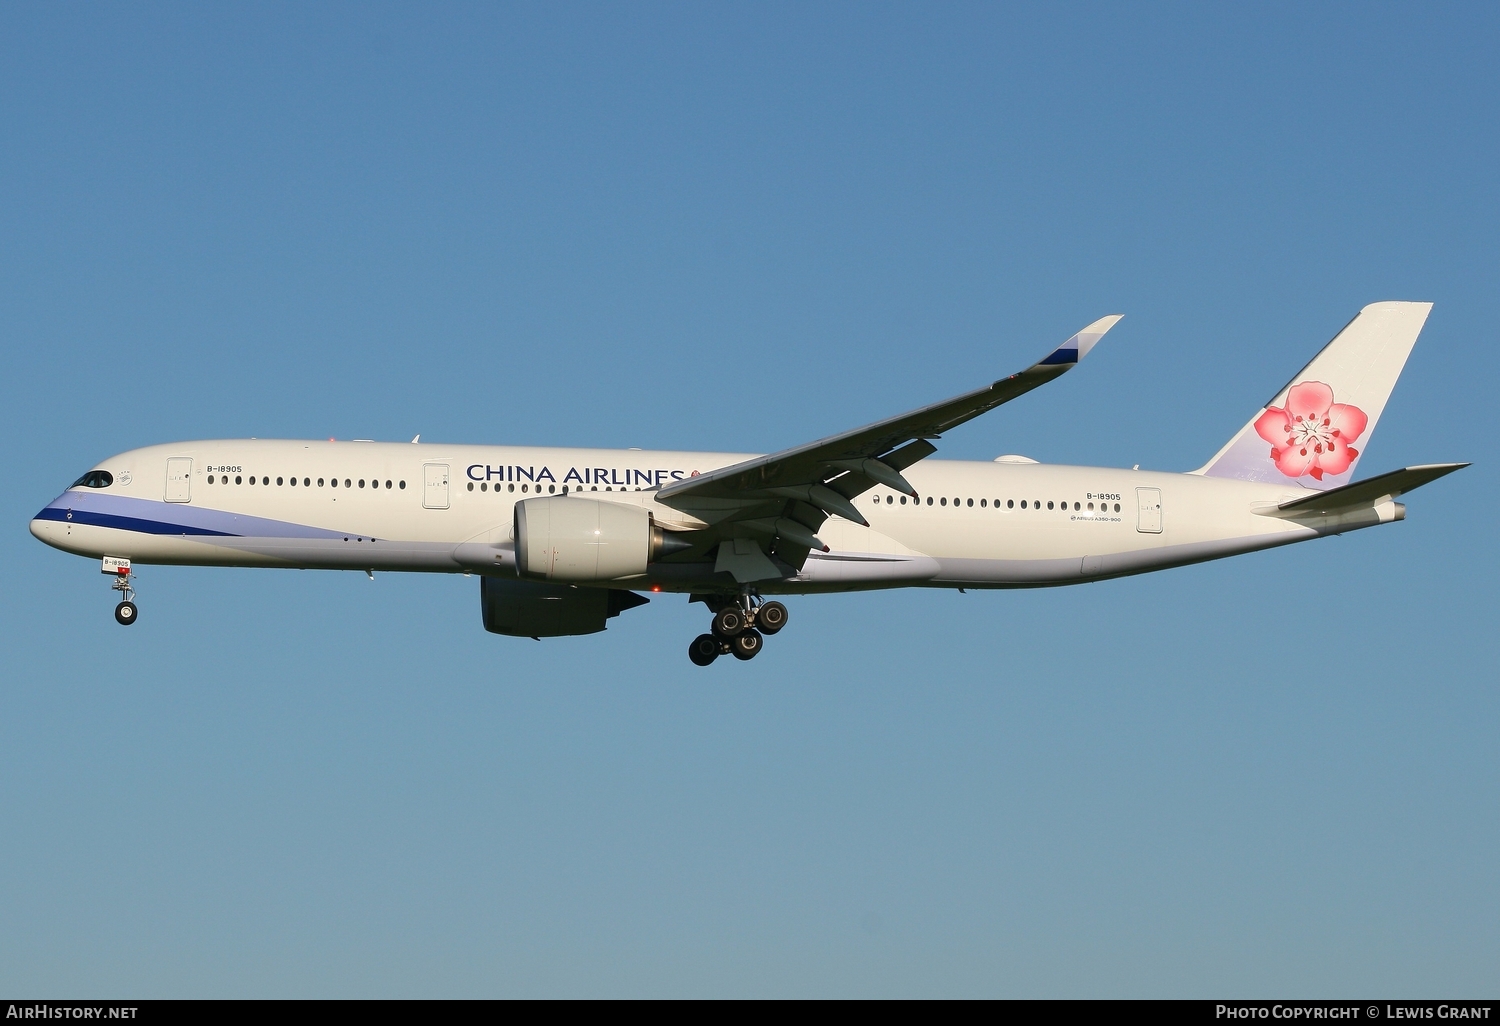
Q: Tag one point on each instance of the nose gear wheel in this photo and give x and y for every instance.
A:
(126, 612)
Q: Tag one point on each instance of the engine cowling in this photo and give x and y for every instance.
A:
(530, 609)
(565, 538)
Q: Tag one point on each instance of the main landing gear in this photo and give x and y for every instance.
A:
(739, 629)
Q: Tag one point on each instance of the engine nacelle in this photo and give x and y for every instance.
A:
(563, 538)
(529, 609)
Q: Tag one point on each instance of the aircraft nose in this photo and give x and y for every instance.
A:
(44, 528)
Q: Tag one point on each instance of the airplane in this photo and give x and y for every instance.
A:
(563, 540)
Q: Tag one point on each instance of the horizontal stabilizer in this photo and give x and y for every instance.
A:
(1361, 494)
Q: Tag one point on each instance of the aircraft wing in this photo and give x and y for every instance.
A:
(780, 500)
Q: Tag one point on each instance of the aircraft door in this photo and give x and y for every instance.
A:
(435, 485)
(1148, 501)
(179, 479)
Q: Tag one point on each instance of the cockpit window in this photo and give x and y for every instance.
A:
(94, 479)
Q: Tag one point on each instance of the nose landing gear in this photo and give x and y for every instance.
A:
(738, 629)
(119, 569)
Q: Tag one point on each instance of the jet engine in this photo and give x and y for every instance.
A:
(529, 609)
(564, 538)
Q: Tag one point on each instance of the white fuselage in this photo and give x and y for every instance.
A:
(448, 509)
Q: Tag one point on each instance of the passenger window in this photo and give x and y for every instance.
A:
(945, 500)
(971, 502)
(903, 500)
(1117, 507)
(333, 482)
(471, 486)
(320, 482)
(388, 485)
(210, 479)
(1023, 503)
(1009, 504)
(307, 482)
(346, 482)
(403, 485)
(361, 482)
(1049, 505)
(982, 503)
(236, 480)
(929, 500)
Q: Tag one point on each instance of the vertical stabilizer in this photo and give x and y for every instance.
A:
(1314, 430)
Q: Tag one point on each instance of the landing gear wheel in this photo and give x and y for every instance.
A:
(704, 649)
(746, 645)
(729, 621)
(770, 617)
(125, 613)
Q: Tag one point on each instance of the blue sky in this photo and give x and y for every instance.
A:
(740, 228)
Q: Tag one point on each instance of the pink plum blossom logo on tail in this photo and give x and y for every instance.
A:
(1313, 434)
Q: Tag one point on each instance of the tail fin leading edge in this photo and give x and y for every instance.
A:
(1313, 431)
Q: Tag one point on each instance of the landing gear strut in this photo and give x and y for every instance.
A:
(739, 629)
(119, 569)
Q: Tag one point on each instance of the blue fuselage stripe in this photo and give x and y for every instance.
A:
(92, 519)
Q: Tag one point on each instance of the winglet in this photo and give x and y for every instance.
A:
(1077, 347)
